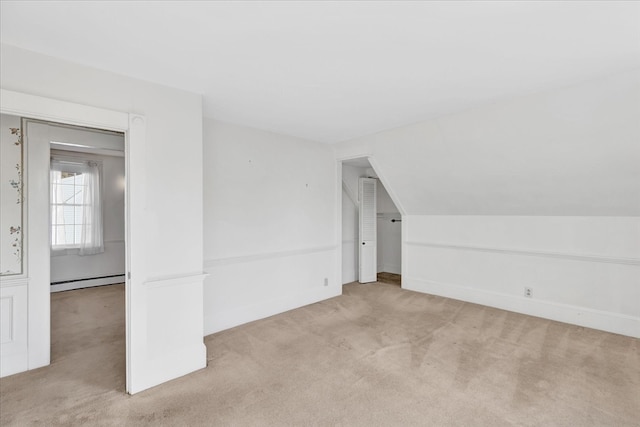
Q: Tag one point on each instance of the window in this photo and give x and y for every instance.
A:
(76, 207)
(67, 208)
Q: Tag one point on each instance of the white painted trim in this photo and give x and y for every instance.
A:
(215, 262)
(135, 141)
(87, 283)
(339, 183)
(341, 159)
(7, 283)
(221, 320)
(159, 282)
(526, 252)
(581, 316)
(48, 109)
(22, 104)
(14, 348)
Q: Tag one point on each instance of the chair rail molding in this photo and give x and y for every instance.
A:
(528, 252)
(216, 262)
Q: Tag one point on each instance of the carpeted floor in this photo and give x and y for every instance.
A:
(375, 356)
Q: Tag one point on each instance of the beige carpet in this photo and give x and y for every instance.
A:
(376, 356)
(389, 278)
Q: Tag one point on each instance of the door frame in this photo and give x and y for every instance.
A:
(39, 301)
(375, 165)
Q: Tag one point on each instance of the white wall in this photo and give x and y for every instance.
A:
(350, 255)
(269, 224)
(165, 331)
(570, 152)
(539, 191)
(389, 233)
(389, 243)
(582, 270)
(384, 203)
(70, 266)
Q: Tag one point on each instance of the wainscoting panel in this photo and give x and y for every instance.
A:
(175, 333)
(166, 329)
(596, 292)
(14, 355)
(244, 289)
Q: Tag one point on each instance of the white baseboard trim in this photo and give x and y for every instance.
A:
(590, 318)
(221, 320)
(89, 283)
(159, 282)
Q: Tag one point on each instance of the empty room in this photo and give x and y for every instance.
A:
(271, 213)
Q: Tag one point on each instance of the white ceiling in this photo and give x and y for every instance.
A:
(331, 71)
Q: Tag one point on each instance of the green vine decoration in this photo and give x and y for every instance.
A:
(17, 184)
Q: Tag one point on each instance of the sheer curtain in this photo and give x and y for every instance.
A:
(58, 236)
(76, 206)
(91, 241)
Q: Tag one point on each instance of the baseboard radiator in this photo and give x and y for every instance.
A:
(67, 285)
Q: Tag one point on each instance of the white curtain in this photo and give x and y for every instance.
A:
(87, 211)
(91, 242)
(57, 210)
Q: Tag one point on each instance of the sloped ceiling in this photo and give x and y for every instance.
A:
(569, 152)
(332, 71)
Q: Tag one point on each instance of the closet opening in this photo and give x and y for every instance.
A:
(371, 227)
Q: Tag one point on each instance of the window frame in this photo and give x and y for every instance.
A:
(71, 164)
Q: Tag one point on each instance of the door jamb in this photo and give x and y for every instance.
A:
(339, 162)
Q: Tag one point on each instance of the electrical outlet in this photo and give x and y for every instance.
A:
(528, 292)
(326, 281)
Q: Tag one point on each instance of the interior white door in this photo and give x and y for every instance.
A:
(368, 234)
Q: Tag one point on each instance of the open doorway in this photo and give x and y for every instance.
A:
(76, 198)
(87, 249)
(29, 229)
(387, 254)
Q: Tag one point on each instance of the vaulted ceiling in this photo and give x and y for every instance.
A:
(332, 71)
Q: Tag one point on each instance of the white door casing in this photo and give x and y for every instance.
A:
(368, 233)
(29, 314)
(158, 347)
